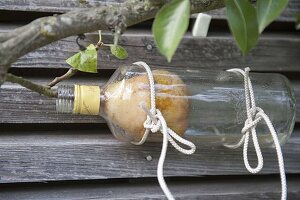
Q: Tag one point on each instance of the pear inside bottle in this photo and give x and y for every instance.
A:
(122, 104)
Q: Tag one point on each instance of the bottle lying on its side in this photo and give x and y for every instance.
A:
(201, 105)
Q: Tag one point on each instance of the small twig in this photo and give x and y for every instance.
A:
(106, 45)
(99, 45)
(71, 72)
(30, 85)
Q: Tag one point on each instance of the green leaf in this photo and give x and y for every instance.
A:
(268, 10)
(243, 23)
(85, 61)
(118, 51)
(298, 22)
(169, 26)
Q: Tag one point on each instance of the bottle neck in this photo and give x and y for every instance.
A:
(78, 99)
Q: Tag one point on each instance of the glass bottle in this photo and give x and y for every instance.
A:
(204, 106)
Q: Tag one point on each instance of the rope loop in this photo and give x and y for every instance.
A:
(156, 122)
(254, 116)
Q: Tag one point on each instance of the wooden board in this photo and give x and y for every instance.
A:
(54, 6)
(17, 103)
(58, 6)
(274, 52)
(254, 187)
(35, 156)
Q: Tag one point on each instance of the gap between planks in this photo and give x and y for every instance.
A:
(208, 188)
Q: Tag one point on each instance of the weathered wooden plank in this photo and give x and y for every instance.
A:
(262, 187)
(36, 156)
(274, 52)
(19, 105)
(55, 6)
(58, 6)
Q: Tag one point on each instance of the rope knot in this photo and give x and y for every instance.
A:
(152, 122)
(252, 121)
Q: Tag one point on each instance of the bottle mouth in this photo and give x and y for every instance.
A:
(65, 100)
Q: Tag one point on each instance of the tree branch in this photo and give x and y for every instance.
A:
(71, 72)
(49, 29)
(30, 85)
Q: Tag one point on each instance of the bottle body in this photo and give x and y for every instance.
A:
(202, 105)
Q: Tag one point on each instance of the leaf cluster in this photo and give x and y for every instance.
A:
(86, 60)
(246, 21)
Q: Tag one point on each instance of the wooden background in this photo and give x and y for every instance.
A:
(45, 155)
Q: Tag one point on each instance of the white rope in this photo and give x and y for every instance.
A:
(156, 122)
(254, 116)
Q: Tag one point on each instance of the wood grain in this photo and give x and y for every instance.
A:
(58, 6)
(254, 187)
(36, 156)
(19, 105)
(274, 52)
(54, 6)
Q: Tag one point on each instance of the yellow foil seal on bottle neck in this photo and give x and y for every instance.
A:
(86, 100)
